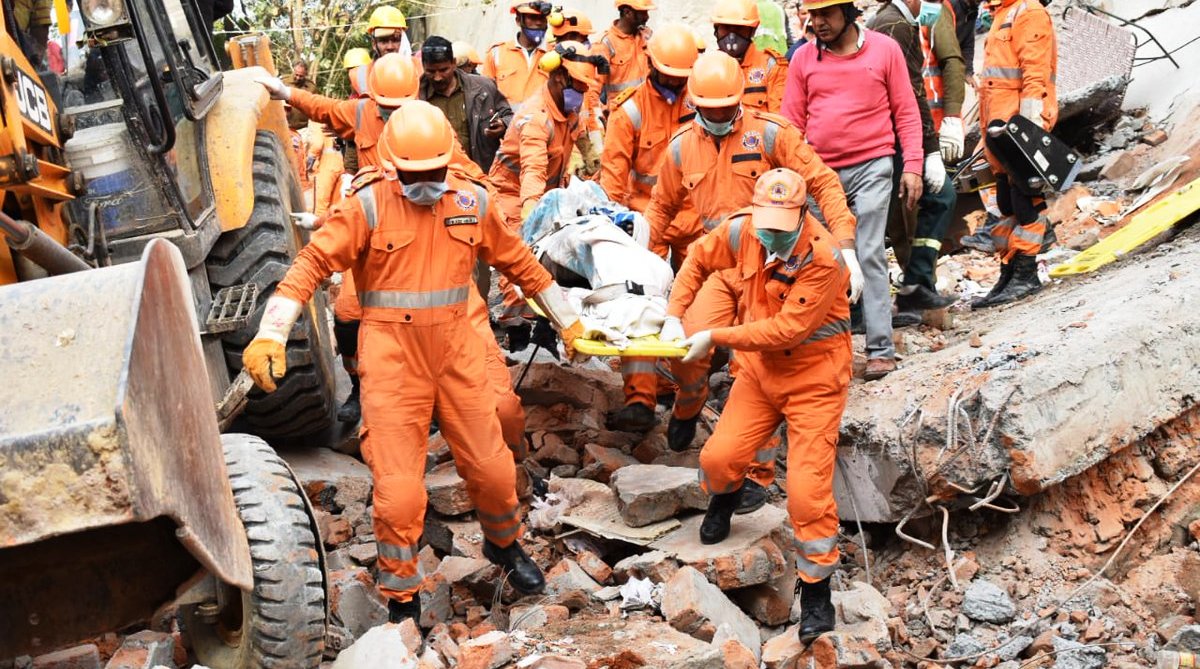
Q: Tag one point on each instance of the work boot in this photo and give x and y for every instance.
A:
(1050, 238)
(1024, 281)
(636, 417)
(351, 409)
(921, 298)
(681, 432)
(817, 615)
(903, 319)
(754, 496)
(715, 527)
(981, 240)
(398, 611)
(1006, 272)
(518, 336)
(522, 572)
(877, 368)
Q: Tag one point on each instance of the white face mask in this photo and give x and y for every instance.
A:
(424, 193)
(716, 129)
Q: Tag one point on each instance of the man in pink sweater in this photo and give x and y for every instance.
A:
(849, 92)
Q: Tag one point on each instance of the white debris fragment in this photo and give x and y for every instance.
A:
(669, 648)
(639, 593)
(65, 338)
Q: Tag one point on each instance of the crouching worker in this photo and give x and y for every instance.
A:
(412, 243)
(793, 348)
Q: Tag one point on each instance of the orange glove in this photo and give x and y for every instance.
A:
(265, 360)
(569, 334)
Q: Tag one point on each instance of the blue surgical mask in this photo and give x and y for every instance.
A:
(669, 94)
(572, 101)
(930, 11)
(424, 193)
(386, 112)
(535, 36)
(714, 129)
(778, 242)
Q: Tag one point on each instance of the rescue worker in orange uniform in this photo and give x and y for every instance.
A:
(1020, 61)
(635, 143)
(794, 353)
(765, 71)
(466, 58)
(388, 30)
(514, 65)
(624, 47)
(714, 162)
(329, 168)
(413, 242)
(569, 25)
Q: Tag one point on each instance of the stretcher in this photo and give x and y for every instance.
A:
(1155, 220)
(648, 346)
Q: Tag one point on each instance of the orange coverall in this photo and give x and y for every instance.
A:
(718, 180)
(327, 180)
(628, 63)
(420, 351)
(515, 71)
(634, 146)
(765, 72)
(1020, 61)
(794, 355)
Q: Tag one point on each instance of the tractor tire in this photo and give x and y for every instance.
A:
(281, 623)
(260, 253)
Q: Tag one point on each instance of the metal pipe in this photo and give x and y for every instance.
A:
(37, 246)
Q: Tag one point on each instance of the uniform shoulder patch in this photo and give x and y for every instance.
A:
(365, 177)
(681, 131)
(623, 96)
(777, 119)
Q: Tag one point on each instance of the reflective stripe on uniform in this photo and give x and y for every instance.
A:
(358, 113)
(735, 234)
(993, 72)
(710, 223)
(496, 519)
(617, 88)
(637, 367)
(482, 201)
(764, 455)
(366, 198)
(676, 149)
(508, 162)
(1027, 235)
(403, 299)
(814, 570)
(400, 583)
(395, 551)
(770, 130)
(362, 81)
(634, 114)
(713, 490)
(816, 546)
(828, 330)
(934, 244)
(500, 535)
(647, 179)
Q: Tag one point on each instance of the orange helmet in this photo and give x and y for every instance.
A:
(392, 80)
(465, 53)
(735, 13)
(570, 21)
(673, 50)
(716, 80)
(416, 137)
(576, 59)
(535, 7)
(638, 5)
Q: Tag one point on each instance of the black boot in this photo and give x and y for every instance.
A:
(715, 527)
(817, 615)
(921, 298)
(351, 409)
(1006, 272)
(518, 337)
(523, 574)
(754, 496)
(681, 432)
(1024, 281)
(399, 611)
(636, 417)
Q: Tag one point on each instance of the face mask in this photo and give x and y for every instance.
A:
(777, 242)
(572, 101)
(534, 36)
(734, 44)
(386, 112)
(424, 193)
(930, 11)
(714, 129)
(669, 94)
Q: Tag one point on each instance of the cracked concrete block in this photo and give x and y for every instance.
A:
(693, 605)
(649, 493)
(758, 548)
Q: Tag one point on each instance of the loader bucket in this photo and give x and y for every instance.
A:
(113, 489)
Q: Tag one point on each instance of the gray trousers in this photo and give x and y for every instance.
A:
(868, 189)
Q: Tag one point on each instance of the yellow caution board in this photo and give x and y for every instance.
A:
(1155, 220)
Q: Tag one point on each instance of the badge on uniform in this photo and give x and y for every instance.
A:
(461, 220)
(751, 140)
(756, 75)
(465, 200)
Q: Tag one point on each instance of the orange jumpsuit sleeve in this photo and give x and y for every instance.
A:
(1034, 43)
(503, 249)
(776, 82)
(535, 163)
(333, 247)
(337, 114)
(617, 159)
(666, 199)
(823, 183)
(711, 253)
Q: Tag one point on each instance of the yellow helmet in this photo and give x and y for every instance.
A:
(386, 18)
(570, 21)
(821, 4)
(576, 60)
(355, 57)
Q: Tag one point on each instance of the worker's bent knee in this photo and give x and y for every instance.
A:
(400, 500)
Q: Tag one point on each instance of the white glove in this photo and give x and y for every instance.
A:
(276, 87)
(597, 139)
(553, 302)
(1031, 108)
(278, 318)
(304, 220)
(698, 345)
(950, 137)
(935, 173)
(856, 275)
(672, 330)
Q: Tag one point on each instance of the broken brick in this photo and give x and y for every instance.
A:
(1155, 137)
(489, 651)
(595, 567)
(144, 650)
(448, 491)
(86, 656)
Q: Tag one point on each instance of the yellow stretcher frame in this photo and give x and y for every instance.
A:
(1155, 220)
(648, 346)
